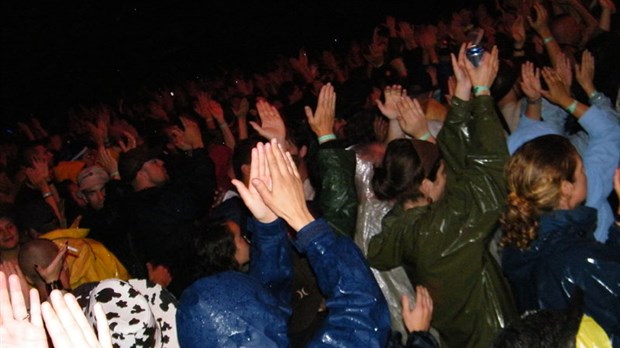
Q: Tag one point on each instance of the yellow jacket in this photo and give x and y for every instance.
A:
(91, 262)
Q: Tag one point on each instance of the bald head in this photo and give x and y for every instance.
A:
(39, 252)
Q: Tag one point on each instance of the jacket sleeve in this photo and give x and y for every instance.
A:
(338, 198)
(358, 314)
(270, 260)
(455, 129)
(600, 159)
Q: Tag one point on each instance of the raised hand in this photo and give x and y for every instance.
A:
(484, 74)
(131, 142)
(584, 72)
(259, 170)
(541, 24)
(39, 174)
(242, 110)
(530, 81)
(557, 93)
(412, 119)
(18, 328)
(322, 120)
(11, 267)
(518, 32)
(272, 125)
(563, 67)
(67, 325)
(105, 159)
(463, 85)
(418, 318)
(286, 196)
(191, 134)
(392, 95)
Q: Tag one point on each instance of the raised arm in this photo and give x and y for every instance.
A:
(389, 109)
(337, 198)
(358, 314)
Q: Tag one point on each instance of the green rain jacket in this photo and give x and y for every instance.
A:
(444, 246)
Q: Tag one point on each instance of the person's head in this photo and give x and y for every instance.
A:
(91, 182)
(411, 170)
(40, 253)
(220, 247)
(9, 234)
(544, 174)
(142, 169)
(242, 157)
(566, 30)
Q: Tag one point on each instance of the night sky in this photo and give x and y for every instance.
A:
(57, 55)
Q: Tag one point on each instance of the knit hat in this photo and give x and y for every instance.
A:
(91, 177)
(140, 313)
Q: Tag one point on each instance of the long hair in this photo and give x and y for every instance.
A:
(534, 175)
(215, 250)
(400, 174)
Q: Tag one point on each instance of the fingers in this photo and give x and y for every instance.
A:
(6, 311)
(103, 330)
(78, 316)
(35, 308)
(17, 298)
(57, 332)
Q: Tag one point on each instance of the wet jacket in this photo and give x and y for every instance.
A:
(233, 309)
(338, 198)
(444, 246)
(563, 257)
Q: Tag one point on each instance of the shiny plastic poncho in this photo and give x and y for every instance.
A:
(444, 245)
(393, 283)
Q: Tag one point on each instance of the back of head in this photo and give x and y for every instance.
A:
(406, 163)
(543, 329)
(534, 176)
(242, 155)
(39, 252)
(215, 250)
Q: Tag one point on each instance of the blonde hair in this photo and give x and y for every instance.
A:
(534, 175)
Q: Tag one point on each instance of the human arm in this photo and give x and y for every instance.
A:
(418, 319)
(541, 26)
(337, 198)
(272, 125)
(607, 9)
(216, 110)
(530, 85)
(38, 175)
(242, 123)
(412, 120)
(389, 109)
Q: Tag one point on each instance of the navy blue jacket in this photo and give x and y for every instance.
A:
(563, 257)
(232, 309)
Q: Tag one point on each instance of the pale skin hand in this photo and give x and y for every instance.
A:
(392, 95)
(557, 93)
(563, 67)
(11, 267)
(67, 325)
(530, 81)
(518, 32)
(286, 196)
(322, 120)
(484, 74)
(584, 72)
(463, 83)
(105, 159)
(191, 134)
(252, 199)
(418, 318)
(16, 329)
(412, 119)
(272, 125)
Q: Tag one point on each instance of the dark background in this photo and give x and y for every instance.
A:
(57, 55)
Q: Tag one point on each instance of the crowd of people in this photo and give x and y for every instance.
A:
(400, 193)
